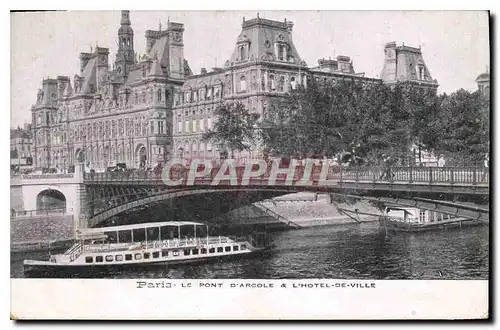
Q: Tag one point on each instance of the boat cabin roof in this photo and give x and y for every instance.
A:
(140, 226)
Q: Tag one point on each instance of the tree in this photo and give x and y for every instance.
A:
(465, 126)
(234, 128)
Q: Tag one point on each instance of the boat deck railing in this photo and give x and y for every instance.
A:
(171, 243)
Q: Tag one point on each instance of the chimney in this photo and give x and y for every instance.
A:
(203, 70)
(84, 59)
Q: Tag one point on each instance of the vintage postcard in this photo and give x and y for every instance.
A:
(250, 165)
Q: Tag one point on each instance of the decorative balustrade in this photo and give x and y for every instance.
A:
(48, 176)
(430, 175)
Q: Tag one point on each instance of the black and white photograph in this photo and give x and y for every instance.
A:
(257, 150)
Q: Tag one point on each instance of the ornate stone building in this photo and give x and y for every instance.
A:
(146, 110)
(265, 64)
(483, 83)
(104, 116)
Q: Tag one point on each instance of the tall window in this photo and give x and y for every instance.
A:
(272, 83)
(423, 216)
(159, 95)
(243, 84)
(186, 126)
(194, 125)
(179, 127)
(281, 87)
(293, 83)
(242, 53)
(161, 127)
(281, 52)
(202, 121)
(209, 123)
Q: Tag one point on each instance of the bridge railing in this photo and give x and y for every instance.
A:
(469, 175)
(37, 213)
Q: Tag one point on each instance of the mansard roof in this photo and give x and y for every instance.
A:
(262, 36)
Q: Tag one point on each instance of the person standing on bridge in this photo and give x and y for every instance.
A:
(441, 161)
(486, 165)
(387, 162)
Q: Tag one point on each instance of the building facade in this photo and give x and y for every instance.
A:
(143, 111)
(21, 144)
(265, 64)
(107, 116)
(483, 84)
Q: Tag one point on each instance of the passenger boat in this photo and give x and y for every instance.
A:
(159, 243)
(413, 219)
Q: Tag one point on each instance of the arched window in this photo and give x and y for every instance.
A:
(293, 83)
(242, 53)
(243, 84)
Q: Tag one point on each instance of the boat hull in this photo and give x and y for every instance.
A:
(37, 269)
(392, 225)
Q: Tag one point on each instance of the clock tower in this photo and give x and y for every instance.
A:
(125, 54)
(176, 50)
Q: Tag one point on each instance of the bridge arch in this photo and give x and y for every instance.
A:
(257, 194)
(50, 199)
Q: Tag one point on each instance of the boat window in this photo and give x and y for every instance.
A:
(109, 258)
(128, 257)
(89, 259)
(243, 246)
(119, 257)
(111, 236)
(164, 253)
(195, 251)
(236, 247)
(187, 231)
(220, 249)
(169, 232)
(139, 235)
(227, 248)
(203, 251)
(125, 236)
(187, 252)
(138, 256)
(156, 254)
(99, 259)
(176, 253)
(153, 233)
(211, 250)
(201, 231)
(146, 255)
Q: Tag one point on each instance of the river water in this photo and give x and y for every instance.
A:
(340, 252)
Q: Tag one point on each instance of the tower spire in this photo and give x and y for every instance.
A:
(125, 53)
(125, 18)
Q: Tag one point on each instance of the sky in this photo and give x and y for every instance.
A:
(455, 44)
